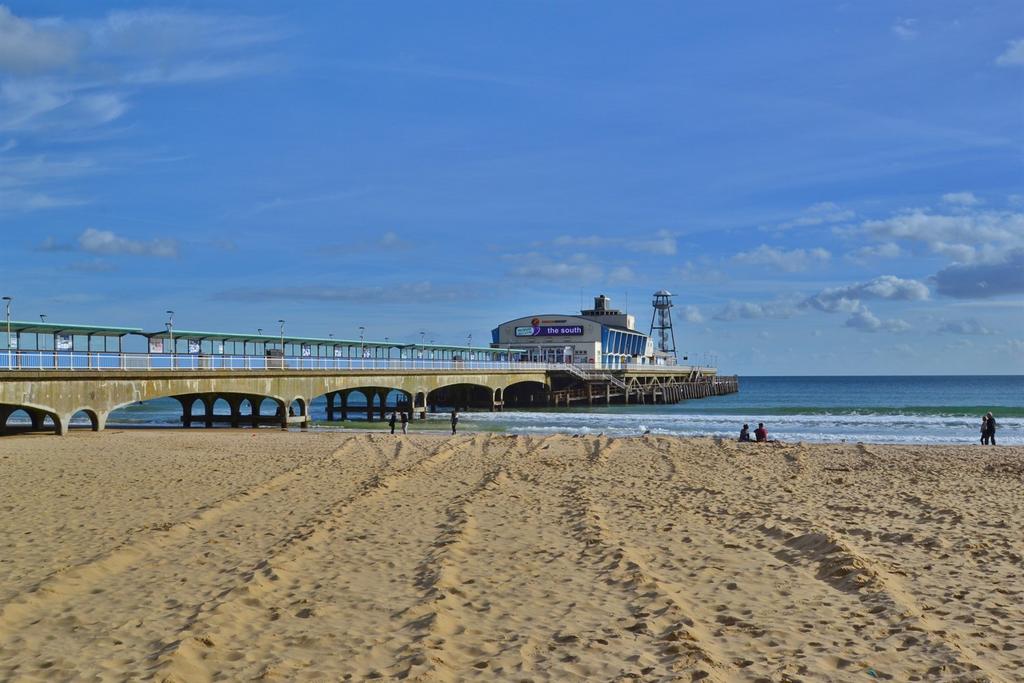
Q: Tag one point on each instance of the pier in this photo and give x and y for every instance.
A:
(253, 381)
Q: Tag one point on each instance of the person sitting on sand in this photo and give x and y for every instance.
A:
(761, 433)
(455, 420)
(984, 430)
(391, 422)
(745, 433)
(991, 425)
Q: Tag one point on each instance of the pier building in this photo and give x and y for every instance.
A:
(601, 336)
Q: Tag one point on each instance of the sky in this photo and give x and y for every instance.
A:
(826, 187)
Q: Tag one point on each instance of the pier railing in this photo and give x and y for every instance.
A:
(101, 360)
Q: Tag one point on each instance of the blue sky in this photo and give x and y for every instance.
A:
(827, 187)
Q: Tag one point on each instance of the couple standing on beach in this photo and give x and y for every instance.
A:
(405, 422)
(988, 430)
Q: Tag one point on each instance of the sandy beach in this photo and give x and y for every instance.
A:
(239, 555)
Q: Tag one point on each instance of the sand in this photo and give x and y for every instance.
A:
(262, 555)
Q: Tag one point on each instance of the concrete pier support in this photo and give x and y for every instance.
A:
(186, 409)
(208, 402)
(344, 404)
(282, 413)
(4, 414)
(254, 405)
(383, 394)
(330, 405)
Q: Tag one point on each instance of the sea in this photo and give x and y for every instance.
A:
(875, 409)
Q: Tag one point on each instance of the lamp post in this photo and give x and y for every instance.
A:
(170, 328)
(362, 351)
(7, 316)
(42, 317)
(281, 323)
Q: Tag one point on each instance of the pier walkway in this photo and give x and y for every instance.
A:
(51, 390)
(52, 372)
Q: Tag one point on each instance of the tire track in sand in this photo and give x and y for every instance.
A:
(660, 609)
(76, 580)
(280, 575)
(877, 598)
(440, 616)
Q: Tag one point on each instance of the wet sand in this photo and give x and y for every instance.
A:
(240, 555)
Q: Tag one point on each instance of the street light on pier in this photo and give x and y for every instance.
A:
(7, 316)
(170, 328)
(281, 323)
(362, 351)
(42, 317)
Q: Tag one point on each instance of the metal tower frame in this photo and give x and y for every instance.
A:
(661, 321)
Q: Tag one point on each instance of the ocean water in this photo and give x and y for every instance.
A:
(908, 410)
(933, 409)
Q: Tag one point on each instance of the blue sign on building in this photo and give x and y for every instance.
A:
(550, 331)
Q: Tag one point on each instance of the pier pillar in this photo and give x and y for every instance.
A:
(4, 414)
(608, 394)
(235, 404)
(186, 409)
(590, 394)
(282, 413)
(343, 395)
(208, 402)
(254, 410)
(383, 393)
(37, 417)
(330, 406)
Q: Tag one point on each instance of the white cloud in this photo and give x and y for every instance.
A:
(95, 241)
(905, 29)
(968, 326)
(27, 200)
(966, 237)
(536, 266)
(885, 250)
(664, 243)
(847, 299)
(81, 66)
(1014, 54)
(822, 213)
(29, 47)
(691, 314)
(866, 321)
(742, 310)
(961, 198)
(791, 261)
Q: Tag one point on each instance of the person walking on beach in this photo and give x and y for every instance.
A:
(761, 434)
(991, 429)
(745, 433)
(984, 430)
(405, 422)
(391, 422)
(455, 420)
